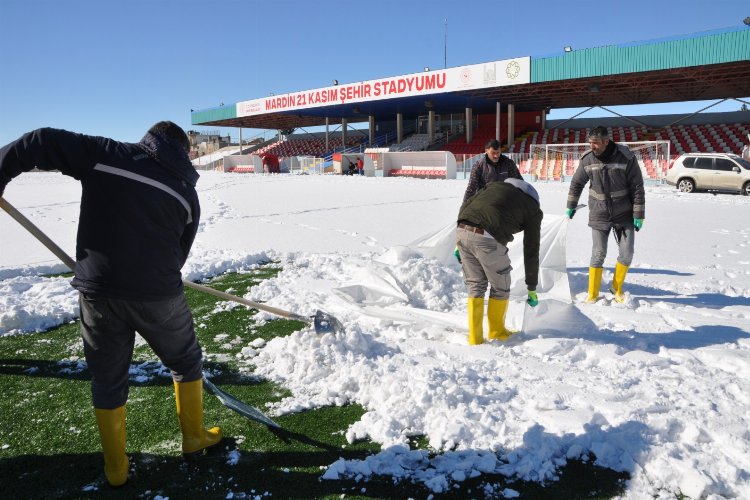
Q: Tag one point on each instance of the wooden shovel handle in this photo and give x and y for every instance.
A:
(38, 234)
(241, 300)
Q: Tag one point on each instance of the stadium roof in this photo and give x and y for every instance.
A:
(701, 66)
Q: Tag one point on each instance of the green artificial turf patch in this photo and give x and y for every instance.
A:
(49, 445)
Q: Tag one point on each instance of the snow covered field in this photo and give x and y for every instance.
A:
(658, 386)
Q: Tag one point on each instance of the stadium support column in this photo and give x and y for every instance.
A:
(399, 127)
(497, 120)
(343, 133)
(327, 148)
(511, 124)
(469, 130)
(240, 140)
(431, 125)
(371, 120)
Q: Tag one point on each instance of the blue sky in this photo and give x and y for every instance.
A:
(114, 67)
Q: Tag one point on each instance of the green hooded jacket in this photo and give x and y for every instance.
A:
(503, 210)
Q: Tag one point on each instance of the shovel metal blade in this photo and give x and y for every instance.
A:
(325, 323)
(238, 406)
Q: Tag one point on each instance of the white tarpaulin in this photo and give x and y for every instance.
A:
(378, 293)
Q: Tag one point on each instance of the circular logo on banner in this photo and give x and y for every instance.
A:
(466, 75)
(513, 69)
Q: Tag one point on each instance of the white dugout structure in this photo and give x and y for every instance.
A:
(419, 164)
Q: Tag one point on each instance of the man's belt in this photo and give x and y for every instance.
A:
(473, 229)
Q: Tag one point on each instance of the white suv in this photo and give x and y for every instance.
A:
(710, 171)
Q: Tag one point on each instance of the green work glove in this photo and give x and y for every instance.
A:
(457, 255)
(638, 223)
(533, 300)
(570, 212)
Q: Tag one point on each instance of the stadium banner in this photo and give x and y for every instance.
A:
(476, 76)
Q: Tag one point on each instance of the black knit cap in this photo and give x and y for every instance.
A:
(171, 132)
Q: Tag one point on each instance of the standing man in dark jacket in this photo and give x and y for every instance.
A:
(486, 224)
(139, 217)
(493, 167)
(617, 202)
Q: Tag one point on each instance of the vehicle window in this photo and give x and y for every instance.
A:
(745, 164)
(688, 162)
(724, 164)
(704, 163)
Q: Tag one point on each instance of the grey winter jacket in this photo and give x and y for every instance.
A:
(483, 172)
(616, 193)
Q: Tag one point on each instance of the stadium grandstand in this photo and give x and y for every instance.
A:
(457, 110)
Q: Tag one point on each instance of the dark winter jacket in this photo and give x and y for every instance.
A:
(484, 171)
(616, 193)
(503, 210)
(139, 208)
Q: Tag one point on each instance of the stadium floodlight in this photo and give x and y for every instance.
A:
(427, 68)
(747, 21)
(568, 48)
(335, 82)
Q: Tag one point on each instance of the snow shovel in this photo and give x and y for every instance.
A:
(238, 406)
(226, 399)
(323, 322)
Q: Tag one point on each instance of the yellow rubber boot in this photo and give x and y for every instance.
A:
(496, 309)
(595, 282)
(111, 425)
(620, 273)
(476, 317)
(189, 398)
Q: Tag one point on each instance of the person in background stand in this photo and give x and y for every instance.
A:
(352, 169)
(139, 217)
(617, 203)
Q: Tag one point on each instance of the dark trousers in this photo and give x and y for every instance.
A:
(108, 328)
